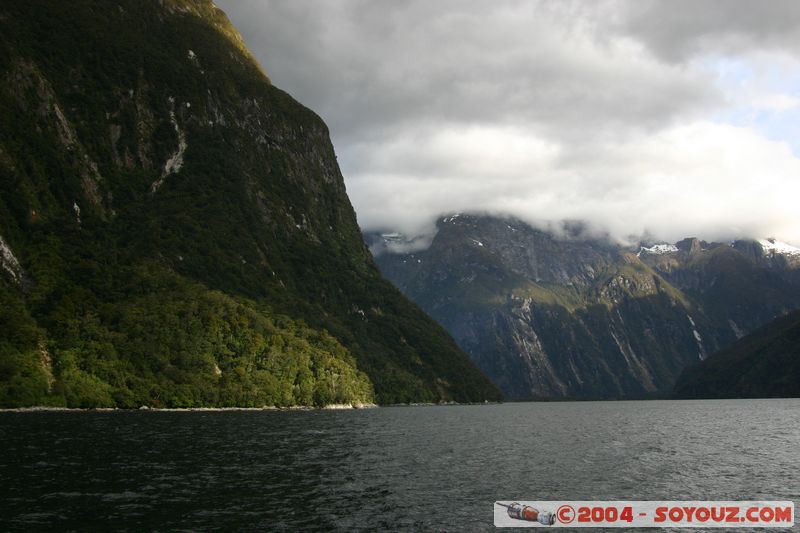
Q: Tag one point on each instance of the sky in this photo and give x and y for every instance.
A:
(652, 120)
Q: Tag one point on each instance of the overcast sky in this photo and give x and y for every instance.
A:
(668, 119)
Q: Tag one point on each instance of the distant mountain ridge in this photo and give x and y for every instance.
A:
(550, 317)
(175, 230)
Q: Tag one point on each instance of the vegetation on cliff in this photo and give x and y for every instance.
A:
(764, 364)
(571, 316)
(175, 231)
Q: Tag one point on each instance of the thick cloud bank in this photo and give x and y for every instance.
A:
(664, 119)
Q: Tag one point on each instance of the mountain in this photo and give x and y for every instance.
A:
(578, 317)
(175, 230)
(764, 364)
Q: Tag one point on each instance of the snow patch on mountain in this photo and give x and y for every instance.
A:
(772, 246)
(658, 249)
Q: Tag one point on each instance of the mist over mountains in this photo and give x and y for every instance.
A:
(599, 128)
(643, 121)
(571, 316)
(175, 230)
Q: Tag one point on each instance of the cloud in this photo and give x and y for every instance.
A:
(671, 183)
(372, 67)
(678, 31)
(634, 116)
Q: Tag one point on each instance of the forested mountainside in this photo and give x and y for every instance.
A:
(764, 364)
(175, 230)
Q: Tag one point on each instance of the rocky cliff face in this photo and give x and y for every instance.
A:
(763, 364)
(547, 317)
(144, 152)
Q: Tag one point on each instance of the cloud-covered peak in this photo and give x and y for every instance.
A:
(637, 117)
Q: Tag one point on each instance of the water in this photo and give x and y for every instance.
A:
(399, 468)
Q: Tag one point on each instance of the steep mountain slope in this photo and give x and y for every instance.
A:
(176, 231)
(738, 286)
(764, 364)
(581, 318)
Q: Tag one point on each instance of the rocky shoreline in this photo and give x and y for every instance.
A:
(331, 407)
(188, 409)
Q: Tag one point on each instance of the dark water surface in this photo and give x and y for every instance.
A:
(398, 468)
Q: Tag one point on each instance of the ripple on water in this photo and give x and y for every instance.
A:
(414, 468)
